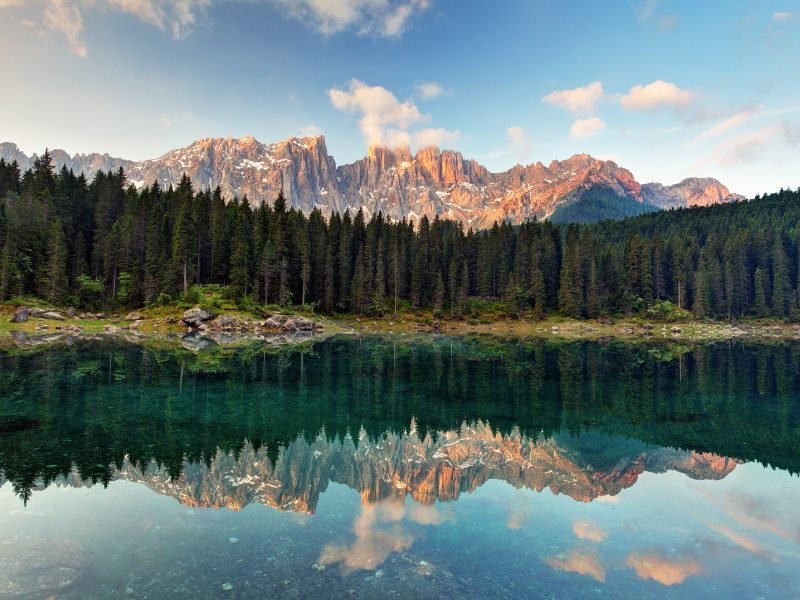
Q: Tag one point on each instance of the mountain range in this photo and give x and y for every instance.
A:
(398, 183)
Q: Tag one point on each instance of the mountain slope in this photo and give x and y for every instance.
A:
(597, 204)
(397, 183)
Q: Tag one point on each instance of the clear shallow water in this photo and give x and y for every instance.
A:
(411, 468)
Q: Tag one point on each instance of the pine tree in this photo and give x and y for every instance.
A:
(760, 294)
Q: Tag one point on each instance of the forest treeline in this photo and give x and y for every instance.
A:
(105, 243)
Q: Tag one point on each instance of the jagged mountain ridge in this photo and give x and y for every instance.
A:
(422, 467)
(393, 181)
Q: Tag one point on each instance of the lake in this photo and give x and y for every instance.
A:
(407, 467)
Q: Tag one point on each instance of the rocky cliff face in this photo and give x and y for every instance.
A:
(694, 191)
(392, 181)
(398, 465)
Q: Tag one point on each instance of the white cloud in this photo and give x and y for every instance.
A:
(577, 100)
(384, 119)
(585, 128)
(435, 137)
(782, 17)
(429, 90)
(386, 18)
(519, 142)
(65, 18)
(658, 94)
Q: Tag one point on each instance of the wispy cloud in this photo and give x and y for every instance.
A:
(656, 95)
(429, 90)
(758, 145)
(589, 531)
(648, 11)
(577, 100)
(64, 17)
(383, 18)
(586, 128)
(179, 17)
(579, 561)
(783, 17)
(663, 569)
(519, 142)
(726, 125)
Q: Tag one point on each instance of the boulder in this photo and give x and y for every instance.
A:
(112, 329)
(677, 330)
(20, 315)
(298, 324)
(224, 322)
(647, 327)
(195, 316)
(70, 312)
(275, 322)
(134, 316)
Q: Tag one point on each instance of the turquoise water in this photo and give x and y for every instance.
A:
(401, 467)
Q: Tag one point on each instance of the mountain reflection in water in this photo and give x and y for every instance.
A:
(428, 469)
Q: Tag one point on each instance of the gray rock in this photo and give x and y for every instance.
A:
(195, 316)
(112, 329)
(134, 316)
(52, 315)
(21, 315)
(297, 324)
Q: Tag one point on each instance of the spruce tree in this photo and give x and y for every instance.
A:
(57, 281)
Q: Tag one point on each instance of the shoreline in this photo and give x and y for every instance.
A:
(164, 326)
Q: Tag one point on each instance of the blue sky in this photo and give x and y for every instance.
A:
(666, 88)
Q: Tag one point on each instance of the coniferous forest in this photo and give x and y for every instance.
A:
(106, 244)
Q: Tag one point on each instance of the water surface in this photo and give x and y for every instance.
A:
(400, 467)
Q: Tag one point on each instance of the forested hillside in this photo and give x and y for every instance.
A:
(103, 243)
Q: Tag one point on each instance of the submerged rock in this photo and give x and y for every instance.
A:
(195, 342)
(39, 570)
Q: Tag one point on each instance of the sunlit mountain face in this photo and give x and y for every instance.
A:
(641, 468)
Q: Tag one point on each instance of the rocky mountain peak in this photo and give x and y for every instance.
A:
(390, 180)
